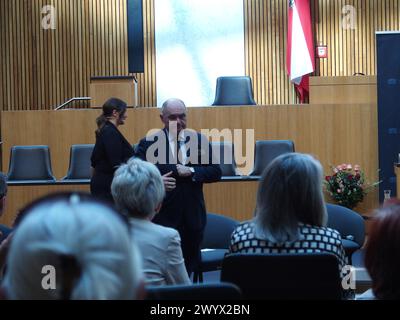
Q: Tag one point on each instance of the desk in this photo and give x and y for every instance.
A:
(350, 89)
(219, 196)
(335, 134)
(19, 196)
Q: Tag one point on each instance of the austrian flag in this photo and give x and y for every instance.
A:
(300, 47)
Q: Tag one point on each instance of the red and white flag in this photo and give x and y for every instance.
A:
(300, 47)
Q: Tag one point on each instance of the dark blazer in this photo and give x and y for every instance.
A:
(5, 231)
(110, 151)
(183, 206)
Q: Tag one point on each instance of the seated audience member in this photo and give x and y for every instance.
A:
(290, 214)
(382, 254)
(70, 246)
(138, 192)
(4, 231)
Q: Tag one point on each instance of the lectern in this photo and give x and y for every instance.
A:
(122, 87)
(343, 90)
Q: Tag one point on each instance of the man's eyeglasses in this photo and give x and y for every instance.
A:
(173, 117)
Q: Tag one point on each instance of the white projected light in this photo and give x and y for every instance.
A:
(197, 41)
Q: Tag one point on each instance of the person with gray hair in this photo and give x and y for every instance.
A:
(290, 214)
(187, 156)
(138, 192)
(70, 246)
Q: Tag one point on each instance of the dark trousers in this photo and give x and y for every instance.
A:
(191, 246)
(100, 186)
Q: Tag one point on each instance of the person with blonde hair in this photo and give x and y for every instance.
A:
(70, 246)
(138, 192)
(290, 214)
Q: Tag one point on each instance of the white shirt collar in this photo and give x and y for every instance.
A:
(181, 137)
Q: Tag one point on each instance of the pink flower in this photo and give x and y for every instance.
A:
(339, 191)
(349, 167)
(356, 168)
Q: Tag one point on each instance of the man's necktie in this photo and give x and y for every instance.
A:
(181, 152)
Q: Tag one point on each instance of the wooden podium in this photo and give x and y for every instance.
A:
(103, 88)
(343, 90)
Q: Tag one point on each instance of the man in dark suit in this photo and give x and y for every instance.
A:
(186, 156)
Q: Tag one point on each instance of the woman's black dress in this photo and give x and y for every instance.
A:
(110, 151)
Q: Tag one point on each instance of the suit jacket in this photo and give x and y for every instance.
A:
(161, 251)
(183, 206)
(111, 149)
(5, 231)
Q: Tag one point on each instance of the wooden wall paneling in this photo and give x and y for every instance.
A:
(2, 40)
(2, 53)
(10, 56)
(124, 43)
(12, 52)
(20, 45)
(43, 68)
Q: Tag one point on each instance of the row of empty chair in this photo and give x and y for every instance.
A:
(33, 164)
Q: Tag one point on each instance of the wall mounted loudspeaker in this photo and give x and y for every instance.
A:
(135, 36)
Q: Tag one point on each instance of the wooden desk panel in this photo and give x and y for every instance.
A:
(19, 196)
(335, 134)
(219, 198)
(349, 89)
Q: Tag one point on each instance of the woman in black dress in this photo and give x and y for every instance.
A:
(111, 148)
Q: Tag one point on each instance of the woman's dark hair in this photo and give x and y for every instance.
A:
(108, 107)
(382, 253)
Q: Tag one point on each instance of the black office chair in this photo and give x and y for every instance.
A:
(79, 162)
(267, 150)
(203, 291)
(350, 225)
(234, 91)
(284, 276)
(30, 164)
(224, 155)
(215, 245)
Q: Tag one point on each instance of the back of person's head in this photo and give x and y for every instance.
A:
(382, 253)
(289, 193)
(3, 190)
(137, 188)
(108, 107)
(70, 246)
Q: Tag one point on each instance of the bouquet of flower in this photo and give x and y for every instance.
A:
(347, 185)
